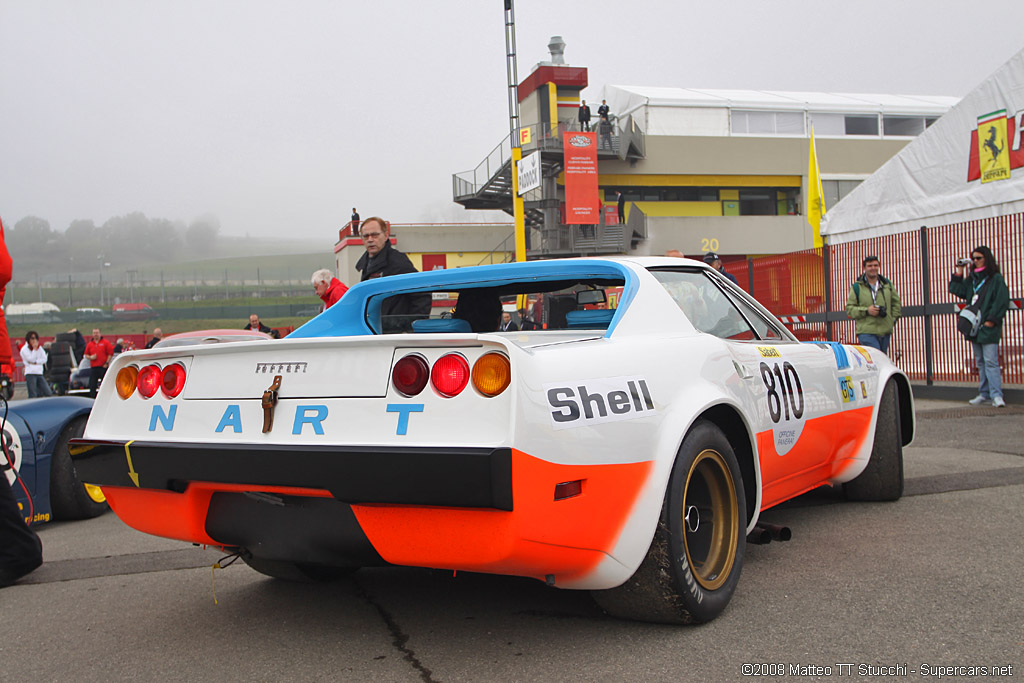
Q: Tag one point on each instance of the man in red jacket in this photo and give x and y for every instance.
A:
(20, 549)
(98, 351)
(328, 287)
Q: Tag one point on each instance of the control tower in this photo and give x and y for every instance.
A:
(549, 102)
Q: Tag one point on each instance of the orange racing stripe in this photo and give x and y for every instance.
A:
(181, 516)
(567, 538)
(823, 451)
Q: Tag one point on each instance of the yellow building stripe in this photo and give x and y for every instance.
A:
(673, 209)
(553, 107)
(682, 180)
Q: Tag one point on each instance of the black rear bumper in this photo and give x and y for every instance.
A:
(450, 477)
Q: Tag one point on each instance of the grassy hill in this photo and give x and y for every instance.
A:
(183, 283)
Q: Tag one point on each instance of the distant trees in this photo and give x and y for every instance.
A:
(133, 238)
(31, 236)
(201, 236)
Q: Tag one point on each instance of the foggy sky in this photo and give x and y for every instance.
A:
(280, 117)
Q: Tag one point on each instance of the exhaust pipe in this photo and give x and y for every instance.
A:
(759, 536)
(774, 531)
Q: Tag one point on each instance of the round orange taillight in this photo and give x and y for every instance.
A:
(491, 374)
(450, 374)
(125, 382)
(148, 381)
(410, 375)
(172, 380)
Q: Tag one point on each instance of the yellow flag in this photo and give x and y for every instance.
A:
(815, 197)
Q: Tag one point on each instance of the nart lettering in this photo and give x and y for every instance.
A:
(592, 401)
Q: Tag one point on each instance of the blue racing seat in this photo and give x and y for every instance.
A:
(434, 325)
(597, 319)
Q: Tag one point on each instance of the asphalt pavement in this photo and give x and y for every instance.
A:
(864, 591)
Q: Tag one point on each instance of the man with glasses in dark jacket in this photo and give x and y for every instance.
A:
(380, 260)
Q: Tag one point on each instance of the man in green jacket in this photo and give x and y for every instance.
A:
(875, 305)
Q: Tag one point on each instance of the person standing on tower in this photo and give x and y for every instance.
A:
(584, 116)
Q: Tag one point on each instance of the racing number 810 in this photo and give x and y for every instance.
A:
(784, 398)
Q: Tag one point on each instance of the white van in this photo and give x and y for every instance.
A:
(31, 309)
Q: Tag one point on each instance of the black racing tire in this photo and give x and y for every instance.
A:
(69, 498)
(882, 479)
(300, 572)
(693, 565)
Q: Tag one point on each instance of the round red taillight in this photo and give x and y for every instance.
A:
(149, 380)
(410, 375)
(173, 380)
(450, 374)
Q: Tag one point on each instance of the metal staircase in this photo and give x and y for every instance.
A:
(489, 186)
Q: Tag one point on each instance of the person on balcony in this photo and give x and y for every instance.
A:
(355, 222)
(584, 116)
(604, 129)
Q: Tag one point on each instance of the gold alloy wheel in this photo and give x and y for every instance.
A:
(710, 519)
(96, 493)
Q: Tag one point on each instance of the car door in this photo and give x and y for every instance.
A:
(793, 388)
(790, 386)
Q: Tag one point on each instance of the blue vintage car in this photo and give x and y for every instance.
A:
(35, 442)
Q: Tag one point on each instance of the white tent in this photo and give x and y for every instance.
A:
(966, 166)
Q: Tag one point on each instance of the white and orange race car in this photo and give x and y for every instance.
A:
(627, 447)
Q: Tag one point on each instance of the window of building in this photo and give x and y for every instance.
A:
(758, 203)
(767, 122)
(844, 124)
(903, 125)
(861, 125)
(834, 190)
(761, 201)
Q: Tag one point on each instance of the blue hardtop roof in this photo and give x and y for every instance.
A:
(349, 316)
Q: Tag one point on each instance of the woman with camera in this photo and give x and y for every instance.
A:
(985, 291)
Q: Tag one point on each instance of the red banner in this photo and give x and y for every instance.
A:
(582, 203)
